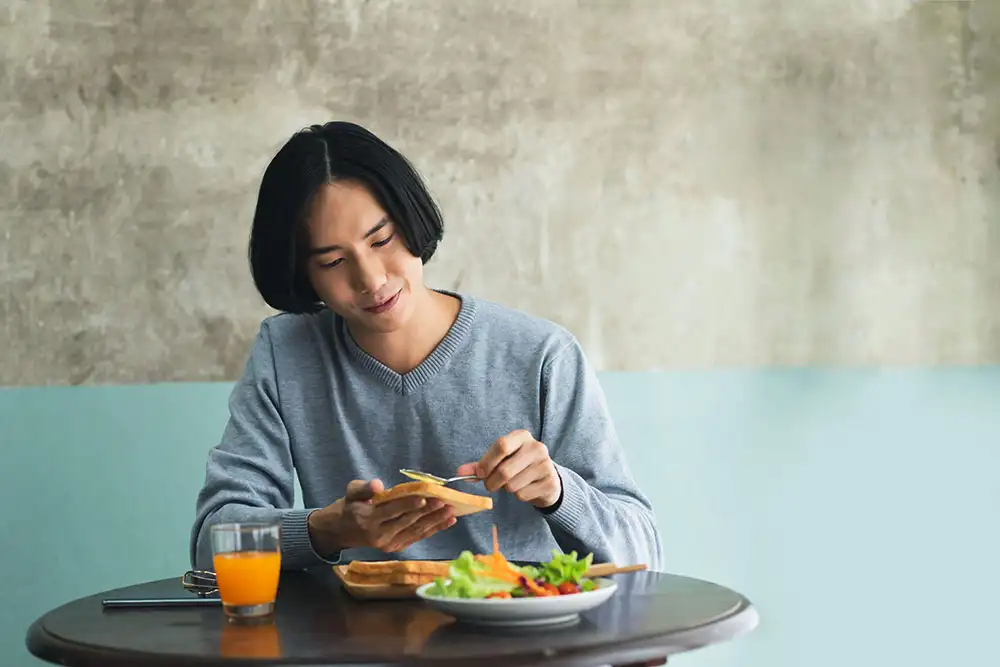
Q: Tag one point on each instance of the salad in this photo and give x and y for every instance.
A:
(493, 576)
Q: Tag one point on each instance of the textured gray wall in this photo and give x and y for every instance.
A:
(680, 183)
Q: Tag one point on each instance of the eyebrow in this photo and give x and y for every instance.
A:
(331, 248)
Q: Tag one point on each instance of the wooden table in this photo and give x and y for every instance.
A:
(652, 616)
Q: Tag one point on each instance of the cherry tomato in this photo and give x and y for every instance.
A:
(568, 588)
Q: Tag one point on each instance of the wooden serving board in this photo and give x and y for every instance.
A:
(374, 591)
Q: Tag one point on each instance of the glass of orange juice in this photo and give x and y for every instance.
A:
(247, 562)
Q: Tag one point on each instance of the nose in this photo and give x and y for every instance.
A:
(369, 275)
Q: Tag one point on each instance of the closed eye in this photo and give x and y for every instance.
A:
(376, 244)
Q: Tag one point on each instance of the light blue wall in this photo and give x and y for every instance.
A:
(859, 510)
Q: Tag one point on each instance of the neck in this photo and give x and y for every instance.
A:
(405, 349)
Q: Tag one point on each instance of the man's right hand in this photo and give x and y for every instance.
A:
(352, 521)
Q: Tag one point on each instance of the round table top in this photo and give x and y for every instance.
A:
(652, 616)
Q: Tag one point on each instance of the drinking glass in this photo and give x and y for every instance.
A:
(247, 562)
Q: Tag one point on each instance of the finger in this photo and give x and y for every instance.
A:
(524, 458)
(394, 509)
(359, 489)
(407, 532)
(535, 472)
(467, 469)
(427, 531)
(401, 530)
(388, 534)
(500, 450)
(546, 487)
(421, 530)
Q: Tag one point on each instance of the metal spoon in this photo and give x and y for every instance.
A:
(434, 479)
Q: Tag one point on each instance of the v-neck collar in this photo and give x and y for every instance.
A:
(406, 383)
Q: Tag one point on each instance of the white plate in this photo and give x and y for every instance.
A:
(521, 611)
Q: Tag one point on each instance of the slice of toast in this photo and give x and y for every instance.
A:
(391, 578)
(374, 591)
(385, 567)
(463, 503)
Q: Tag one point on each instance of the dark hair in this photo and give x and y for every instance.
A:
(313, 157)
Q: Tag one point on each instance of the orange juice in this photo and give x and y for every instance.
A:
(247, 578)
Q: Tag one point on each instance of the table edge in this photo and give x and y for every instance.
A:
(744, 619)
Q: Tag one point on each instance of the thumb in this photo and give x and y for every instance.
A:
(362, 490)
(467, 469)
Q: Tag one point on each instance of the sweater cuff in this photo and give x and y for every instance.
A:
(571, 509)
(562, 492)
(297, 551)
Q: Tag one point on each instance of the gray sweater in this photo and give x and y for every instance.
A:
(312, 402)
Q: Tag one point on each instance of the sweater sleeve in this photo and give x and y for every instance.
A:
(250, 476)
(602, 510)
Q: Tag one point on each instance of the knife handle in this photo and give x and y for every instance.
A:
(607, 569)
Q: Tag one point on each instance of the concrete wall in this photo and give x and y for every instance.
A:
(683, 184)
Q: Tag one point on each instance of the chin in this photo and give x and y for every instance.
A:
(380, 325)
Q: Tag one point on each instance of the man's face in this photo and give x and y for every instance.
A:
(358, 262)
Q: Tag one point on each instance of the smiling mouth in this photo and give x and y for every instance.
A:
(385, 305)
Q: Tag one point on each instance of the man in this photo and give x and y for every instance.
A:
(367, 370)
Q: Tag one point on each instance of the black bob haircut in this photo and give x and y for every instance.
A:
(313, 157)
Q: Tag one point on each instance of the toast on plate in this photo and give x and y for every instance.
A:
(391, 579)
(381, 568)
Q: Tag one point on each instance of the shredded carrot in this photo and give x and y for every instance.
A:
(505, 575)
(496, 565)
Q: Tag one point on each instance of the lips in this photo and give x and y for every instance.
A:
(384, 306)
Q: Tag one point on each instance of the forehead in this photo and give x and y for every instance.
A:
(342, 212)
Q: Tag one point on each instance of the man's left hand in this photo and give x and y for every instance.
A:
(519, 464)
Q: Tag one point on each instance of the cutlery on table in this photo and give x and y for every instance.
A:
(607, 569)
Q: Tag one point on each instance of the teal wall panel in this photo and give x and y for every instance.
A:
(858, 509)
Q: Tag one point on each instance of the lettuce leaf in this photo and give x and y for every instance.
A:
(565, 567)
(467, 579)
